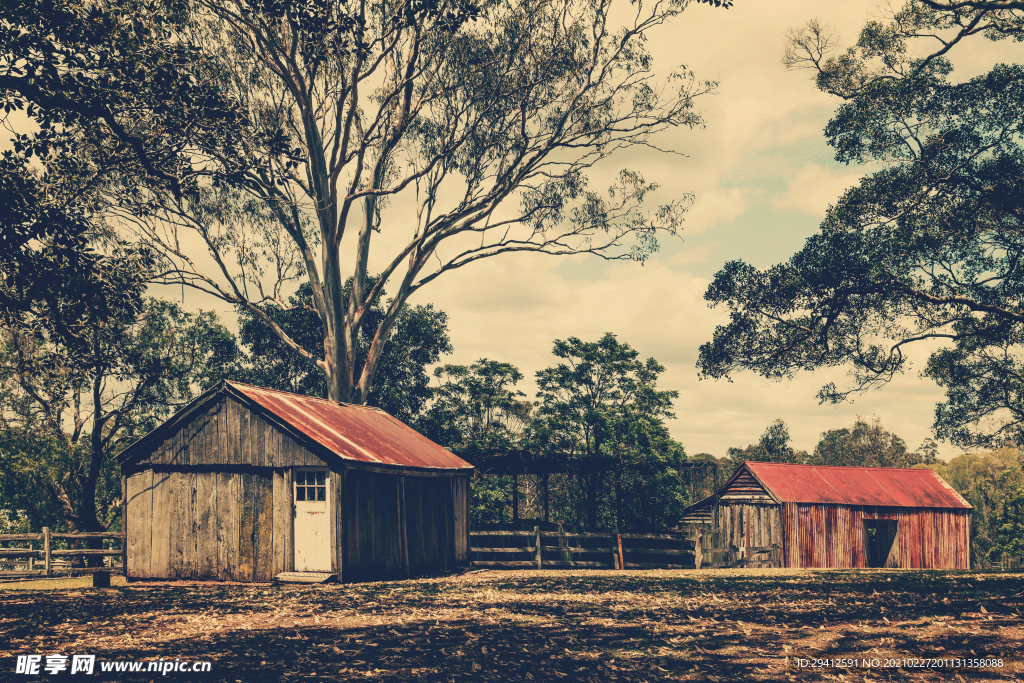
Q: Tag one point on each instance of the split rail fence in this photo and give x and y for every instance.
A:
(539, 549)
(56, 560)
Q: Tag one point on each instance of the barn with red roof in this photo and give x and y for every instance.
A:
(782, 515)
(250, 484)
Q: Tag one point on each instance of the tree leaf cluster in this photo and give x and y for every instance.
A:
(926, 248)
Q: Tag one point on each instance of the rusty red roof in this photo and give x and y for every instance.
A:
(883, 486)
(353, 432)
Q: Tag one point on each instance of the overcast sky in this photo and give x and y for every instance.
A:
(763, 178)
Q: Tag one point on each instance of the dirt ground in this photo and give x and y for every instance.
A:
(724, 625)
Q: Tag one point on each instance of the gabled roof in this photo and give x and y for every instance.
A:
(351, 432)
(881, 486)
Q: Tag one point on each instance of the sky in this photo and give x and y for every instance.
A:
(762, 177)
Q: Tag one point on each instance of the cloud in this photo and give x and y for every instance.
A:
(814, 188)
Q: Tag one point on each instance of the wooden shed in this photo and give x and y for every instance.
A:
(245, 484)
(780, 515)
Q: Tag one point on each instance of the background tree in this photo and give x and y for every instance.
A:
(477, 407)
(602, 401)
(334, 113)
(866, 445)
(401, 383)
(64, 416)
(990, 482)
(773, 446)
(928, 247)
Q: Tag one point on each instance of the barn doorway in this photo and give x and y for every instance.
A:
(312, 520)
(879, 537)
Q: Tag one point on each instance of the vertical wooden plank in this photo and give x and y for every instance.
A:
(163, 513)
(223, 450)
(140, 523)
(227, 526)
(403, 528)
(264, 526)
(245, 435)
(281, 507)
(246, 528)
(175, 531)
(206, 559)
(289, 527)
(447, 526)
(334, 494)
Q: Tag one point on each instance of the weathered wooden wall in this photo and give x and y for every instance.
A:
(460, 500)
(402, 525)
(227, 432)
(833, 536)
(207, 525)
(750, 526)
(374, 541)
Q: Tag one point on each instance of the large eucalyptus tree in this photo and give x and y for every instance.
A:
(388, 142)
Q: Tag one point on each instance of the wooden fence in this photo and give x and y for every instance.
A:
(54, 560)
(539, 549)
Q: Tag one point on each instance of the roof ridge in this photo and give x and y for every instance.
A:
(236, 383)
(838, 467)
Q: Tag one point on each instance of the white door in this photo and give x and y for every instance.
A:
(312, 521)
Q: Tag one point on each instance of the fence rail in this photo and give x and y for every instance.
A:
(591, 550)
(49, 555)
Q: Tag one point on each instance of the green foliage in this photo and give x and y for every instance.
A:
(927, 247)
(64, 416)
(773, 446)
(401, 383)
(867, 445)
(604, 402)
(491, 501)
(991, 483)
(477, 407)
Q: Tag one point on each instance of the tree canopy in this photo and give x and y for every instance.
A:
(63, 416)
(401, 384)
(267, 144)
(773, 446)
(926, 248)
(867, 444)
(601, 401)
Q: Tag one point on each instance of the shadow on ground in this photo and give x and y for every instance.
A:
(534, 626)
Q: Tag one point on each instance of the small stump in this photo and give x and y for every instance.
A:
(101, 580)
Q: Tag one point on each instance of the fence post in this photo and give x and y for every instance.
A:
(622, 560)
(46, 548)
(536, 535)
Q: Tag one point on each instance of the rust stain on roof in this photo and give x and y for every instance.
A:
(882, 486)
(353, 432)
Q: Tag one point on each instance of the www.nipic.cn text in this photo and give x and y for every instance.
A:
(34, 665)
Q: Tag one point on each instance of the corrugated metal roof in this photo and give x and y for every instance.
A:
(353, 432)
(883, 486)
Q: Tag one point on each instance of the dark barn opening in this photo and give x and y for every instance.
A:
(879, 537)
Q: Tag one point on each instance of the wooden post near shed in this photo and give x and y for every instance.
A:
(536, 537)
(46, 548)
(622, 563)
